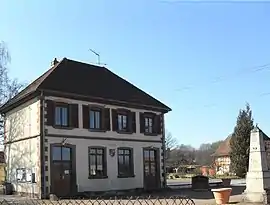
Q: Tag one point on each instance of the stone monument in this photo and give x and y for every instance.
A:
(258, 175)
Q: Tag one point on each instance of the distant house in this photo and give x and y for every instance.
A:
(2, 167)
(222, 157)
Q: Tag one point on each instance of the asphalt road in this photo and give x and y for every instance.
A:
(175, 182)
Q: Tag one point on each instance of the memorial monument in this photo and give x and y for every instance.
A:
(258, 175)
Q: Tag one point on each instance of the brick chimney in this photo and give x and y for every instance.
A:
(54, 62)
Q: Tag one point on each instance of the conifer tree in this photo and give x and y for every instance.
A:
(239, 143)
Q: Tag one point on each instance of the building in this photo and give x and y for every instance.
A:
(222, 157)
(81, 128)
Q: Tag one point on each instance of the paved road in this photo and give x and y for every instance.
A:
(175, 182)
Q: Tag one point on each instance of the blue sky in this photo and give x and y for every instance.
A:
(160, 46)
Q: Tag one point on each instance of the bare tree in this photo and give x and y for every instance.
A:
(170, 141)
(8, 87)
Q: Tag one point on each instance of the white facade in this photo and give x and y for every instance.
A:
(23, 131)
(78, 137)
(22, 138)
(112, 182)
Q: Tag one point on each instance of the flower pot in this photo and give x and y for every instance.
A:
(222, 196)
(211, 172)
(226, 182)
(204, 170)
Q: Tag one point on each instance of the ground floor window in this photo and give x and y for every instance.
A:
(97, 162)
(125, 162)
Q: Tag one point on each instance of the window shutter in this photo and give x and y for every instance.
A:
(114, 120)
(142, 128)
(133, 117)
(157, 124)
(129, 121)
(86, 116)
(73, 114)
(106, 119)
(50, 112)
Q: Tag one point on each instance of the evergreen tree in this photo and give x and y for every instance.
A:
(240, 142)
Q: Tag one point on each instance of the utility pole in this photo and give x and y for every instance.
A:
(96, 55)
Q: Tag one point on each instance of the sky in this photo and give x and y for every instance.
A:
(201, 58)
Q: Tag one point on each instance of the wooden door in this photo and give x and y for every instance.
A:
(61, 171)
(151, 169)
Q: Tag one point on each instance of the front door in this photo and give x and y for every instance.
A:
(61, 170)
(151, 169)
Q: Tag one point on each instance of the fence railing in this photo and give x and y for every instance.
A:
(150, 200)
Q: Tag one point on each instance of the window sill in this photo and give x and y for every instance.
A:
(126, 176)
(97, 177)
(124, 132)
(150, 134)
(96, 130)
(60, 127)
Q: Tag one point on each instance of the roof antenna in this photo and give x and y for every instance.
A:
(97, 54)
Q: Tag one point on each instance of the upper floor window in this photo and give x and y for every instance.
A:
(97, 162)
(95, 119)
(61, 115)
(148, 123)
(125, 162)
(122, 122)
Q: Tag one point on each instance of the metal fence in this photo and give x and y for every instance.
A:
(150, 200)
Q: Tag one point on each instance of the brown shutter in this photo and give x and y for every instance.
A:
(114, 120)
(129, 121)
(133, 117)
(86, 117)
(142, 128)
(73, 115)
(105, 113)
(50, 112)
(157, 123)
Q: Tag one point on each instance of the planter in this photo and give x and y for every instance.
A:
(222, 196)
(226, 182)
(204, 171)
(211, 172)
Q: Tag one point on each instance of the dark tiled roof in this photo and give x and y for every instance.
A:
(79, 78)
(2, 157)
(224, 148)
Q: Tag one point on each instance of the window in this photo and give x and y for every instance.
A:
(122, 122)
(61, 153)
(97, 162)
(95, 119)
(61, 115)
(125, 162)
(148, 124)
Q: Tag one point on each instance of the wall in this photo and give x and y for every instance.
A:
(222, 164)
(112, 182)
(84, 132)
(22, 129)
(78, 137)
